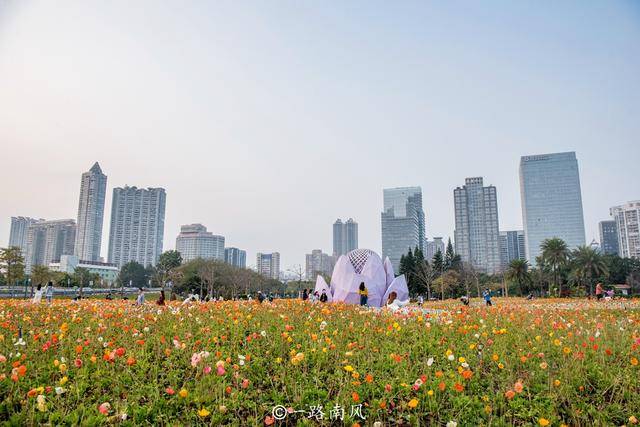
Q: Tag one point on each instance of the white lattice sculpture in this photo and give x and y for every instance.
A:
(363, 265)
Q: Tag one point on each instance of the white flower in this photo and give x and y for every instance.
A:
(323, 325)
(263, 333)
(60, 390)
(100, 339)
(465, 365)
(451, 357)
(20, 342)
(63, 360)
(452, 424)
(146, 329)
(430, 361)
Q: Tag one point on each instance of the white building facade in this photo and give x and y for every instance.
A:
(19, 230)
(627, 219)
(137, 225)
(268, 264)
(47, 241)
(194, 241)
(68, 263)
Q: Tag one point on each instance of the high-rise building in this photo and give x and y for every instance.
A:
(477, 230)
(627, 219)
(402, 222)
(235, 257)
(512, 246)
(137, 225)
(608, 237)
(318, 262)
(93, 187)
(268, 264)
(345, 236)
(47, 241)
(551, 201)
(18, 234)
(432, 247)
(194, 241)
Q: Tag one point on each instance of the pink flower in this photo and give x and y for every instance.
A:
(220, 370)
(206, 370)
(195, 359)
(245, 383)
(104, 408)
(78, 363)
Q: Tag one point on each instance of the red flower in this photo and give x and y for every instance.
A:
(170, 391)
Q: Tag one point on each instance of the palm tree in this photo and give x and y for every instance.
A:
(587, 264)
(555, 254)
(519, 272)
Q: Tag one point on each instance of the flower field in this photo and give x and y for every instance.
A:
(541, 362)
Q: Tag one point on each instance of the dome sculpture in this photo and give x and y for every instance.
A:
(363, 265)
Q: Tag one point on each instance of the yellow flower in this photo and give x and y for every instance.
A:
(500, 365)
(495, 357)
(348, 368)
(430, 393)
(413, 403)
(556, 383)
(204, 412)
(634, 361)
(183, 393)
(543, 422)
(62, 367)
(566, 350)
(63, 380)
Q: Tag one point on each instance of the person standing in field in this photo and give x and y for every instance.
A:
(487, 297)
(599, 291)
(305, 295)
(364, 294)
(160, 300)
(324, 297)
(49, 292)
(140, 299)
(37, 297)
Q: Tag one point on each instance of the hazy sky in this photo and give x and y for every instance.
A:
(267, 120)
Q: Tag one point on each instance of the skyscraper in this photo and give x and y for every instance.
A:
(93, 187)
(512, 246)
(345, 236)
(47, 241)
(194, 241)
(235, 257)
(432, 247)
(137, 225)
(268, 264)
(627, 219)
(19, 229)
(318, 262)
(608, 237)
(551, 201)
(477, 230)
(402, 222)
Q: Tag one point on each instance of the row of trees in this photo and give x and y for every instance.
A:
(562, 271)
(558, 271)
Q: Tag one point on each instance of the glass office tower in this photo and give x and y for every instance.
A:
(402, 223)
(551, 201)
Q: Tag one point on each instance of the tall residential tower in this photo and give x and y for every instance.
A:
(137, 225)
(627, 219)
(477, 230)
(93, 187)
(345, 236)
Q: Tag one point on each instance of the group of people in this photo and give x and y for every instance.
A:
(602, 294)
(47, 292)
(314, 296)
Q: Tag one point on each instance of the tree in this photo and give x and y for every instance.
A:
(446, 281)
(469, 274)
(587, 263)
(438, 263)
(134, 274)
(424, 275)
(449, 255)
(166, 265)
(12, 264)
(407, 264)
(518, 272)
(555, 253)
(82, 276)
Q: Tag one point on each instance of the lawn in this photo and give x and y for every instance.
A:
(540, 362)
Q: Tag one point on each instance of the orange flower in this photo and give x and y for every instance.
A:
(458, 387)
(510, 394)
(368, 378)
(442, 386)
(634, 361)
(467, 374)
(355, 396)
(518, 387)
(413, 403)
(131, 361)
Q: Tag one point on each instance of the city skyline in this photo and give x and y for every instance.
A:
(419, 107)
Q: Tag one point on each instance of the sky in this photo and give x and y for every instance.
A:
(268, 120)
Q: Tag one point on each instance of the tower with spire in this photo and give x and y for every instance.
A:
(93, 186)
